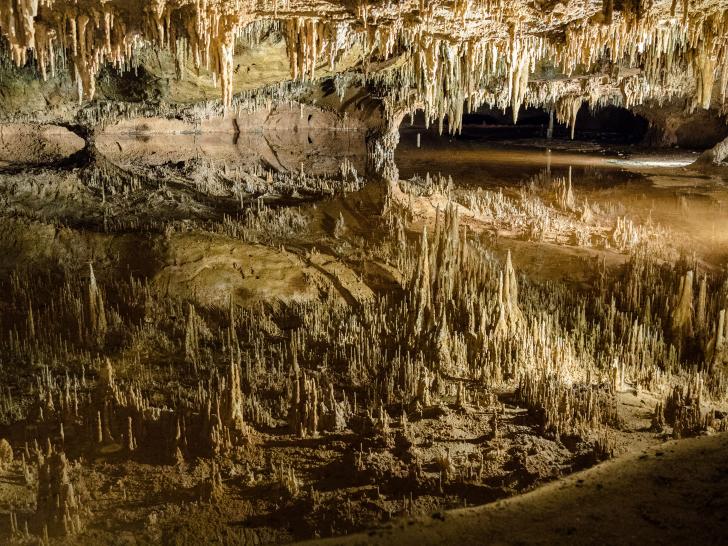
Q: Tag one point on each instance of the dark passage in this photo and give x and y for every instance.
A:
(611, 124)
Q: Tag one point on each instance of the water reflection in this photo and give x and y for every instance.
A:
(318, 153)
(656, 188)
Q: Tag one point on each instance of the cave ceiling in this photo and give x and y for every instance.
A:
(444, 57)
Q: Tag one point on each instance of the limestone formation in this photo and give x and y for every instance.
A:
(445, 57)
(289, 269)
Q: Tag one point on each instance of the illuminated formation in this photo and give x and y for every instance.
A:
(444, 57)
(271, 271)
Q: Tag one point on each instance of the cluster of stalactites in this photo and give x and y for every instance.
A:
(487, 52)
(451, 77)
(659, 58)
(90, 37)
(662, 42)
(17, 20)
(305, 41)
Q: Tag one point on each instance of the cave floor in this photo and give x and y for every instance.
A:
(673, 493)
(294, 266)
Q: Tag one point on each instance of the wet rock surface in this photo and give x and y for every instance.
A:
(251, 294)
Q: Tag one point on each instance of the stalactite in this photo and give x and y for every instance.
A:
(447, 76)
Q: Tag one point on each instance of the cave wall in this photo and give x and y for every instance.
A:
(672, 126)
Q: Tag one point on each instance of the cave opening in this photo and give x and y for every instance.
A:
(611, 125)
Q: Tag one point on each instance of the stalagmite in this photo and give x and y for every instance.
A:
(192, 337)
(421, 287)
(510, 294)
(682, 313)
(235, 404)
(57, 497)
(6, 453)
(96, 313)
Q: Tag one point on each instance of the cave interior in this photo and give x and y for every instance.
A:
(363, 272)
